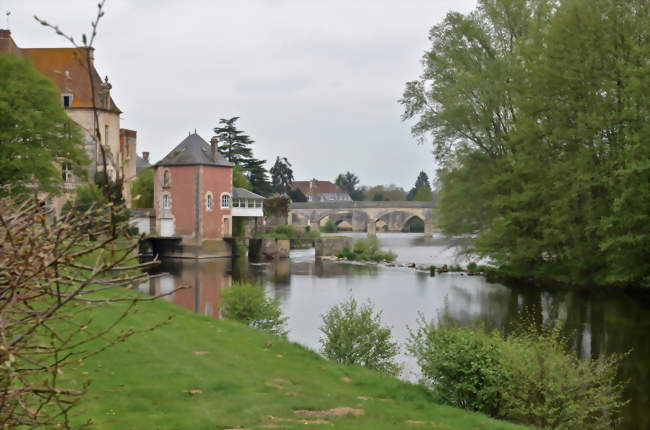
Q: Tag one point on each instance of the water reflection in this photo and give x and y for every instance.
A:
(598, 321)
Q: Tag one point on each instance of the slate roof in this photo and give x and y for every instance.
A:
(192, 151)
(244, 194)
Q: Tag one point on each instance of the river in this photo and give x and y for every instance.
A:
(602, 321)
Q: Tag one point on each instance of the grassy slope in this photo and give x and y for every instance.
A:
(245, 382)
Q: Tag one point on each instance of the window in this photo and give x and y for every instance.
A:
(208, 201)
(225, 201)
(106, 134)
(167, 201)
(66, 99)
(166, 179)
(66, 172)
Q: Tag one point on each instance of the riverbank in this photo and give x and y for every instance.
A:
(199, 372)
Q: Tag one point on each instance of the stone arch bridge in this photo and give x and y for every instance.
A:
(363, 216)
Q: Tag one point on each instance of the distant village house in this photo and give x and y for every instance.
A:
(321, 191)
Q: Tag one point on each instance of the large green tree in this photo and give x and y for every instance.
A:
(37, 138)
(538, 111)
(142, 190)
(234, 145)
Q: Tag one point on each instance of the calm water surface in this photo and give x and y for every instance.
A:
(603, 321)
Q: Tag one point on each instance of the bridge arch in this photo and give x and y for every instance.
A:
(397, 220)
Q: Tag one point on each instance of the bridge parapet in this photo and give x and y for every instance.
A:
(363, 216)
(362, 205)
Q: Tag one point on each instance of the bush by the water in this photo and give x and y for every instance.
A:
(367, 250)
(289, 232)
(530, 376)
(329, 227)
(249, 304)
(353, 334)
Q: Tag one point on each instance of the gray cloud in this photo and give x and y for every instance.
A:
(315, 81)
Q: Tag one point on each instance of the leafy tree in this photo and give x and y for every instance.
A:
(234, 145)
(249, 304)
(538, 114)
(421, 191)
(142, 190)
(36, 135)
(296, 195)
(353, 334)
(281, 175)
(347, 182)
(239, 180)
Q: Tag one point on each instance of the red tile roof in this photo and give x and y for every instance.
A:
(316, 187)
(67, 68)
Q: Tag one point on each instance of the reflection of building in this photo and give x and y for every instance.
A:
(199, 283)
(66, 67)
(321, 191)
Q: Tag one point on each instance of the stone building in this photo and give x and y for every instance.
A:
(193, 198)
(66, 67)
(321, 191)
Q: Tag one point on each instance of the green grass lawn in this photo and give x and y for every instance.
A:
(202, 373)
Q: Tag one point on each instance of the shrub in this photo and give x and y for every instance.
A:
(461, 365)
(531, 376)
(472, 267)
(353, 334)
(285, 230)
(329, 227)
(549, 387)
(347, 254)
(432, 270)
(249, 304)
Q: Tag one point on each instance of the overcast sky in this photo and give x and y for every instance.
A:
(315, 81)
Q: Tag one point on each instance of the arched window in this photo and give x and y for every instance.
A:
(166, 179)
(225, 201)
(167, 201)
(208, 201)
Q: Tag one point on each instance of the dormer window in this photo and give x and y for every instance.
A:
(66, 100)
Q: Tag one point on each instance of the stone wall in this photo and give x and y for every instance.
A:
(332, 246)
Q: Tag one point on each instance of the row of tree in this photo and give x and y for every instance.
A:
(539, 113)
(421, 191)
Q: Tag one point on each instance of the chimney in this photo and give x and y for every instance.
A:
(5, 34)
(145, 156)
(214, 144)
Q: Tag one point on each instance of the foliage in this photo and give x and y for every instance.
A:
(421, 191)
(234, 145)
(276, 206)
(239, 179)
(296, 195)
(348, 182)
(45, 323)
(36, 135)
(142, 190)
(288, 232)
(384, 193)
(542, 139)
(367, 250)
(329, 227)
(257, 176)
(530, 376)
(249, 304)
(281, 175)
(353, 334)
